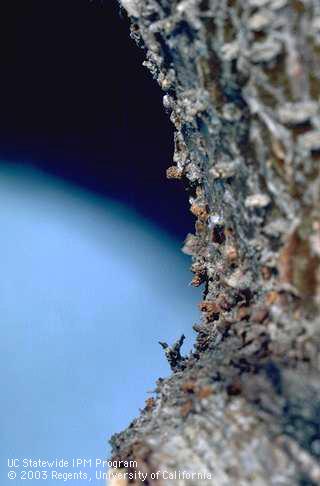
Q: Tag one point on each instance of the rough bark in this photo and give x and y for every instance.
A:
(242, 83)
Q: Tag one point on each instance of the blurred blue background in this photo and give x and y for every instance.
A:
(92, 275)
(87, 288)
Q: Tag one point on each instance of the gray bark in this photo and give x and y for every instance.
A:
(242, 87)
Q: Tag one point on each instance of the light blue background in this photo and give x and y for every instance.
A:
(87, 289)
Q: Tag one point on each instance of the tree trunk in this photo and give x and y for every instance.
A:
(242, 83)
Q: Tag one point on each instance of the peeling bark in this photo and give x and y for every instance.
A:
(242, 83)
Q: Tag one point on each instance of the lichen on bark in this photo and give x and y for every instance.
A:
(242, 88)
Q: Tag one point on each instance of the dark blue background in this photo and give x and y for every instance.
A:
(76, 101)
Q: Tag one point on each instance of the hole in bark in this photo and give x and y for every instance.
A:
(218, 235)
